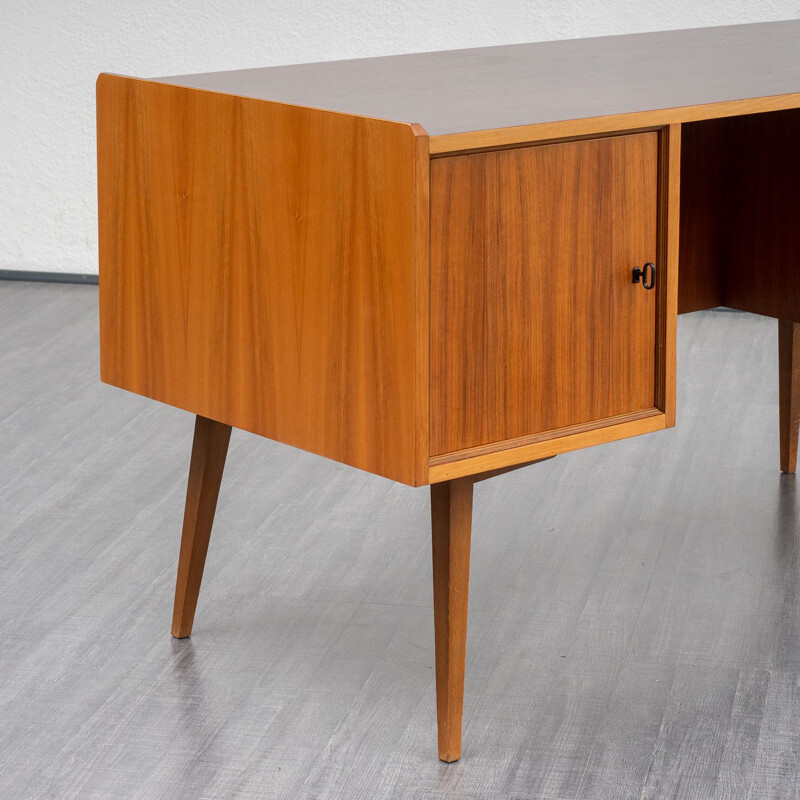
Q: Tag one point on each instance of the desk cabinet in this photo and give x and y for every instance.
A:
(536, 324)
(442, 266)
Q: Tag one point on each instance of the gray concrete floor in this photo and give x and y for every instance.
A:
(634, 623)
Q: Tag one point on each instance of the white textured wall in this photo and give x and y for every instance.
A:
(52, 50)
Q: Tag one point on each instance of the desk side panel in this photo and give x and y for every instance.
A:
(703, 215)
(258, 266)
(763, 210)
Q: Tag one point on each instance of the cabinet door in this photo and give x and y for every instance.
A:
(536, 324)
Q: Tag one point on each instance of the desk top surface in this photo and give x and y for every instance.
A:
(457, 91)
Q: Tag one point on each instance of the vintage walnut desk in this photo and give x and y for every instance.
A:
(442, 266)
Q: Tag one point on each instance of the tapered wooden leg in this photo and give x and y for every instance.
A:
(789, 395)
(209, 449)
(451, 518)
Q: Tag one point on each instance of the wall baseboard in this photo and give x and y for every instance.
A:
(47, 277)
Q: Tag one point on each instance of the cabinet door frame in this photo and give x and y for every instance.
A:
(506, 453)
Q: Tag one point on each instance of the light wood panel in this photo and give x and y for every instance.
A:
(539, 446)
(535, 322)
(260, 266)
(616, 123)
(209, 449)
(669, 201)
(789, 393)
(451, 523)
(497, 95)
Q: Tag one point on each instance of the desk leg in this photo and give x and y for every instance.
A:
(451, 518)
(789, 395)
(209, 449)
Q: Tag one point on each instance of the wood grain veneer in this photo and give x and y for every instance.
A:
(535, 323)
(261, 265)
